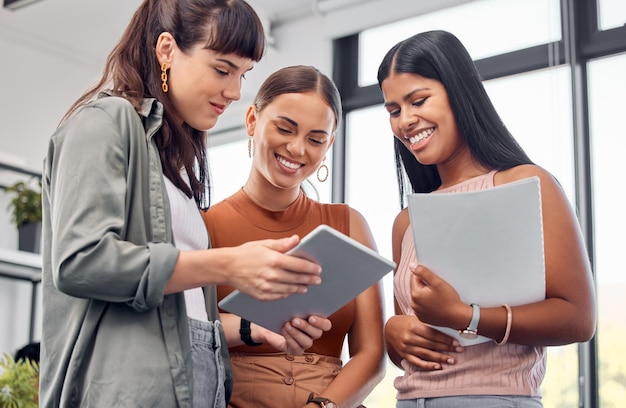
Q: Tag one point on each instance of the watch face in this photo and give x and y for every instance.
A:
(467, 334)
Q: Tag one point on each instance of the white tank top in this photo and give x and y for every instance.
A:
(189, 234)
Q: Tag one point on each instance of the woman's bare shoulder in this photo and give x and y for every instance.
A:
(521, 172)
(401, 222)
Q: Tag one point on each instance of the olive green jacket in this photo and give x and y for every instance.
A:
(110, 338)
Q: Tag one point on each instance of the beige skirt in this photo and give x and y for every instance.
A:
(280, 380)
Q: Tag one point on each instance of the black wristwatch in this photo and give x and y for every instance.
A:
(322, 401)
(244, 333)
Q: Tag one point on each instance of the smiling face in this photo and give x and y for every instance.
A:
(202, 82)
(421, 117)
(291, 135)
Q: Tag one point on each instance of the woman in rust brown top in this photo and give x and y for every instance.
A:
(292, 125)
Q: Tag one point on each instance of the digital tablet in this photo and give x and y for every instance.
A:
(348, 268)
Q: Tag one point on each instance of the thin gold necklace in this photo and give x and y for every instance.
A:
(261, 204)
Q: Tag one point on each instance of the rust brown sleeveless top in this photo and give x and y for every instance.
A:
(238, 219)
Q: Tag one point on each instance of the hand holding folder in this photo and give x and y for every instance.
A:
(487, 244)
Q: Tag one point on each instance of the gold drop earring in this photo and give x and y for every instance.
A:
(250, 146)
(164, 85)
(323, 172)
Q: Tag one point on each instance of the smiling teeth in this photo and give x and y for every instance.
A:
(421, 136)
(289, 164)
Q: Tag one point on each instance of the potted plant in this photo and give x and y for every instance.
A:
(26, 214)
(19, 383)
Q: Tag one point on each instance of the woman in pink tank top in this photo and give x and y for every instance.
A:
(449, 138)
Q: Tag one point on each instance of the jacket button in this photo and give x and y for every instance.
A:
(289, 357)
(288, 380)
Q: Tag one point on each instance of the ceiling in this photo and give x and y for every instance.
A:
(86, 30)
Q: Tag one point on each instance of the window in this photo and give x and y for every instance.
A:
(540, 118)
(608, 143)
(479, 24)
(229, 178)
(612, 14)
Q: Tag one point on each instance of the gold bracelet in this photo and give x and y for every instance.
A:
(509, 320)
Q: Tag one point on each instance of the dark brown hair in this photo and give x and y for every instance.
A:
(132, 71)
(299, 79)
(439, 55)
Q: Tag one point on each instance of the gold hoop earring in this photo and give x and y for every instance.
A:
(250, 146)
(324, 171)
(164, 85)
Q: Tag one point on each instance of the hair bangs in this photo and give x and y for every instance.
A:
(238, 30)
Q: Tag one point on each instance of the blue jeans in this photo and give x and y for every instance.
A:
(473, 401)
(208, 367)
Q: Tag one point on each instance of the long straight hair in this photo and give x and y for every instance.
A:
(439, 55)
(132, 71)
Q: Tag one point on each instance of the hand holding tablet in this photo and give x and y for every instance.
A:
(348, 268)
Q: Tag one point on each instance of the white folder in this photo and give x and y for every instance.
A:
(487, 244)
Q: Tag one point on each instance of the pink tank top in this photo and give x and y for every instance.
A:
(482, 369)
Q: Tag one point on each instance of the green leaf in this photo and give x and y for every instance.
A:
(19, 383)
(25, 205)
